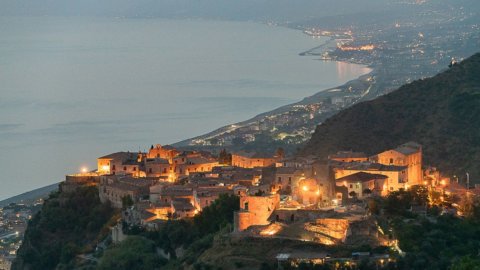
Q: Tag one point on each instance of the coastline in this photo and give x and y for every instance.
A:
(283, 108)
(365, 81)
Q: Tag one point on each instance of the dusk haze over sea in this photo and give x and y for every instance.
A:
(76, 88)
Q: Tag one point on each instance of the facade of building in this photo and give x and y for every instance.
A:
(121, 163)
(255, 210)
(396, 175)
(252, 160)
(349, 156)
(115, 188)
(409, 155)
(361, 181)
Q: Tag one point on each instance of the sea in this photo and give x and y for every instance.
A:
(76, 88)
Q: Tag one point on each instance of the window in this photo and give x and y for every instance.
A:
(134, 169)
(150, 170)
(113, 167)
(246, 206)
(164, 170)
(351, 186)
(279, 179)
(391, 161)
(124, 168)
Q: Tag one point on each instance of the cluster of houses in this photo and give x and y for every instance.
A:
(166, 183)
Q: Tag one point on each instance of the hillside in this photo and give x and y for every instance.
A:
(68, 224)
(442, 113)
(30, 196)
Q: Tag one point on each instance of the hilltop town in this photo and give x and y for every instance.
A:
(328, 207)
(325, 203)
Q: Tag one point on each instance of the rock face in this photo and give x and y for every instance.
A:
(441, 113)
(329, 231)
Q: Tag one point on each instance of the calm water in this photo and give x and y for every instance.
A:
(72, 89)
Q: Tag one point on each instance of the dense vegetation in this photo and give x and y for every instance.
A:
(431, 241)
(68, 224)
(191, 237)
(133, 253)
(441, 113)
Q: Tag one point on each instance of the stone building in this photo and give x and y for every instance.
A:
(361, 181)
(409, 155)
(114, 188)
(255, 210)
(396, 175)
(121, 163)
(253, 159)
(164, 152)
(73, 181)
(349, 156)
(205, 196)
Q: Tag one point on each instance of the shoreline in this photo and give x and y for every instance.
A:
(364, 79)
(301, 99)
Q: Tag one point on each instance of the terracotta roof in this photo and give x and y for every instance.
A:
(361, 177)
(253, 154)
(348, 154)
(120, 156)
(366, 166)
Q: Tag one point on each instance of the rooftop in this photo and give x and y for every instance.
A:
(361, 177)
(348, 154)
(253, 154)
(120, 156)
(367, 166)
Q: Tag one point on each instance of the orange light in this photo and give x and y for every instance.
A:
(84, 169)
(305, 188)
(443, 183)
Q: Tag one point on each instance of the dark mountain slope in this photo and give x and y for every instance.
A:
(442, 113)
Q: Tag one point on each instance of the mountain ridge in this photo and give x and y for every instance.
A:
(441, 112)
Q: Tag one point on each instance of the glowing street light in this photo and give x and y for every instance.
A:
(305, 188)
(84, 169)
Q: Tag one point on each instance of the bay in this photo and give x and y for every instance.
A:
(75, 88)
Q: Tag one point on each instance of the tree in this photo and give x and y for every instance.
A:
(280, 153)
(373, 206)
(134, 253)
(69, 223)
(367, 191)
(419, 195)
(126, 201)
(466, 263)
(224, 157)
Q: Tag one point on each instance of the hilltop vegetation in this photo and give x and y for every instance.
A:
(442, 113)
(67, 225)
